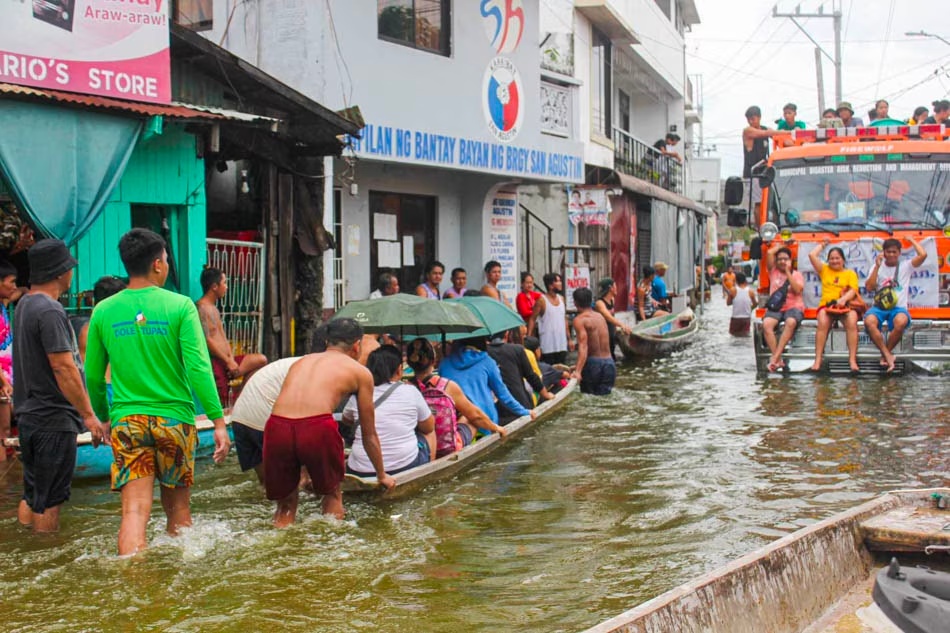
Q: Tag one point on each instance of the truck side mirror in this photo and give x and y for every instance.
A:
(737, 218)
(755, 248)
(765, 175)
(733, 193)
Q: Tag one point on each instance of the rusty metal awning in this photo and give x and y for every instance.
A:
(179, 111)
(650, 190)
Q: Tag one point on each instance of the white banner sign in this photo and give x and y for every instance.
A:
(503, 238)
(859, 256)
(575, 276)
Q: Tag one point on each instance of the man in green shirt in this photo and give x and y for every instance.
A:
(153, 341)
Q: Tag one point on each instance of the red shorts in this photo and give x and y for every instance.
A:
(221, 380)
(290, 443)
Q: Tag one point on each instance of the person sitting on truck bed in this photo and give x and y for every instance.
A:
(778, 262)
(846, 114)
(887, 271)
(839, 285)
(941, 112)
(788, 122)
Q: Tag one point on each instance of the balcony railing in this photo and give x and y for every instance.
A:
(635, 158)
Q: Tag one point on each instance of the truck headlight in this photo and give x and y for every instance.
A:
(768, 231)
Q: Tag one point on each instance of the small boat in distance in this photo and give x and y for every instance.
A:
(658, 335)
(412, 481)
(828, 577)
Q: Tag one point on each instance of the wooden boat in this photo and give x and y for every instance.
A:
(816, 580)
(97, 462)
(415, 479)
(658, 335)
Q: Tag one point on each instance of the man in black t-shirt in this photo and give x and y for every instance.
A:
(49, 397)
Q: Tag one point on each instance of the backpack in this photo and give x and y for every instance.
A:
(447, 438)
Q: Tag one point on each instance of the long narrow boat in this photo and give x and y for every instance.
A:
(97, 462)
(415, 479)
(658, 335)
(820, 579)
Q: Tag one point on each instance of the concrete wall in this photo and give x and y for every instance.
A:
(330, 51)
(461, 225)
(661, 45)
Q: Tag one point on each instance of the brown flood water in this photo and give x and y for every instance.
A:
(691, 462)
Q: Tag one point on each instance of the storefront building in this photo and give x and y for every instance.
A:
(456, 126)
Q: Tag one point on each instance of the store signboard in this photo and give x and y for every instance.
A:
(112, 48)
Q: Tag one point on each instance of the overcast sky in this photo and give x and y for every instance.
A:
(746, 57)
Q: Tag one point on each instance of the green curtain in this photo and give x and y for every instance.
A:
(62, 164)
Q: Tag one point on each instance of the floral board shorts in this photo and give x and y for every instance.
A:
(150, 445)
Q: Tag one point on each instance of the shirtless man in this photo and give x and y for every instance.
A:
(225, 365)
(301, 430)
(492, 277)
(595, 369)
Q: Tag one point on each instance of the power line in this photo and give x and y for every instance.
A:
(747, 40)
(887, 31)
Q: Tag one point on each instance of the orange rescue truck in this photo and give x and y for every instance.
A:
(857, 187)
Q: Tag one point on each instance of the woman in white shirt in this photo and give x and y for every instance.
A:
(404, 422)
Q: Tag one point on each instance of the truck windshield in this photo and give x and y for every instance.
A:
(904, 194)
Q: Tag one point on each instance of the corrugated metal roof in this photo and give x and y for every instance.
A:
(172, 111)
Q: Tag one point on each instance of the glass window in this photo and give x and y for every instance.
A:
(196, 15)
(600, 84)
(420, 24)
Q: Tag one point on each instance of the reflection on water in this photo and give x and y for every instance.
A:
(692, 462)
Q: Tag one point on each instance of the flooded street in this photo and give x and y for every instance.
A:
(690, 463)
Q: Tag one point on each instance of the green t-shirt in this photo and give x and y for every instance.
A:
(783, 125)
(152, 339)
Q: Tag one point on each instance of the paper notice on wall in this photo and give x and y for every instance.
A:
(353, 240)
(408, 251)
(384, 226)
(388, 255)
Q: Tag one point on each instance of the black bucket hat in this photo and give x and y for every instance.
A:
(49, 259)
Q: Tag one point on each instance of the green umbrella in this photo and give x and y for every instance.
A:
(409, 316)
(493, 315)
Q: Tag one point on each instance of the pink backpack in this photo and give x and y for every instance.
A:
(447, 438)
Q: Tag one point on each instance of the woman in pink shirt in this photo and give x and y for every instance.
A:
(778, 261)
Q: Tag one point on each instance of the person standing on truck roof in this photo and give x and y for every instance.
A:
(755, 148)
(846, 114)
(887, 271)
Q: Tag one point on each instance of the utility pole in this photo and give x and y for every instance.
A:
(821, 83)
(836, 59)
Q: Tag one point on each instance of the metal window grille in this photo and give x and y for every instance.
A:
(242, 308)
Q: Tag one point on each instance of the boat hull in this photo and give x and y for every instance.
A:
(657, 336)
(792, 585)
(414, 480)
(94, 463)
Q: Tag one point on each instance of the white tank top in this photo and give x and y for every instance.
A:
(551, 327)
(742, 304)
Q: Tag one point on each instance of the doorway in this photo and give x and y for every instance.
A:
(402, 231)
(167, 221)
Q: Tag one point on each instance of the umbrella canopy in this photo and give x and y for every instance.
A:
(493, 315)
(409, 316)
